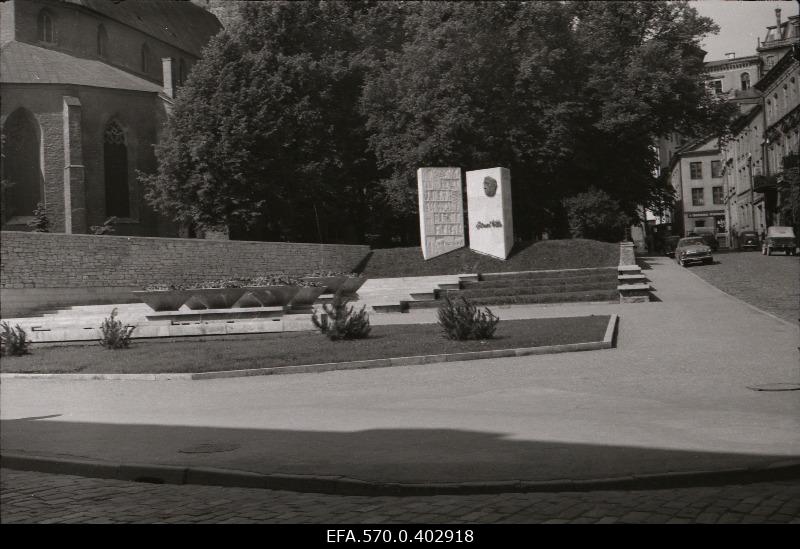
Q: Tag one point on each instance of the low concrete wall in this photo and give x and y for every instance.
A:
(49, 270)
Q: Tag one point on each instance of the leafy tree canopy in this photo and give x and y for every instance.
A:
(304, 118)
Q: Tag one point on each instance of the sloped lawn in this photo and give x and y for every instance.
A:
(525, 256)
(292, 348)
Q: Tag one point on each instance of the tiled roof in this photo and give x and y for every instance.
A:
(175, 22)
(22, 63)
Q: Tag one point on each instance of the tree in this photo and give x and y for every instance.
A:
(567, 95)
(595, 215)
(308, 120)
(265, 137)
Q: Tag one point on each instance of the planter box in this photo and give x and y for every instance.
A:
(330, 283)
(267, 296)
(164, 300)
(214, 298)
(306, 297)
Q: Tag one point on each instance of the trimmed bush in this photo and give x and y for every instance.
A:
(341, 321)
(463, 320)
(13, 341)
(114, 335)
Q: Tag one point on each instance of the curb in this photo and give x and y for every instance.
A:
(340, 485)
(606, 343)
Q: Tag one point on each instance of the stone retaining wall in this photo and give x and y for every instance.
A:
(45, 270)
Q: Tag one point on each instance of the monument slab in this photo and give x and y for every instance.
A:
(491, 227)
(441, 210)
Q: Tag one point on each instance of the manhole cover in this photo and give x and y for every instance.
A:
(209, 448)
(776, 387)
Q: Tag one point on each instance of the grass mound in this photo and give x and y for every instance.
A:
(526, 256)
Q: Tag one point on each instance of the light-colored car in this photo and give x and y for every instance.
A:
(779, 238)
(693, 249)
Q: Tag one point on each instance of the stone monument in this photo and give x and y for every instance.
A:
(491, 227)
(441, 210)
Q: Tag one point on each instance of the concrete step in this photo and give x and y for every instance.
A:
(555, 287)
(541, 275)
(564, 297)
(632, 279)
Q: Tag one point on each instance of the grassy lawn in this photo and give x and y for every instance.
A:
(526, 256)
(292, 348)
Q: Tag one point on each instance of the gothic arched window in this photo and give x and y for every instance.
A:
(21, 166)
(102, 41)
(115, 161)
(47, 32)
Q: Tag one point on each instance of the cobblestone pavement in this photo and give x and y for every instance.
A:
(771, 283)
(30, 497)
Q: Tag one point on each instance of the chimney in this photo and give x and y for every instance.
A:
(166, 66)
(778, 22)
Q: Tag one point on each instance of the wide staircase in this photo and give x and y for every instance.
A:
(564, 286)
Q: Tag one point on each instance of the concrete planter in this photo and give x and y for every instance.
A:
(351, 285)
(267, 296)
(306, 296)
(164, 300)
(214, 298)
(330, 283)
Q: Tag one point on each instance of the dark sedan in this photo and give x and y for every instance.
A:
(748, 240)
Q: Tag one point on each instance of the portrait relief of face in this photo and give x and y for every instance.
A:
(489, 186)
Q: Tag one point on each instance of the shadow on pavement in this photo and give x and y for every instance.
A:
(393, 455)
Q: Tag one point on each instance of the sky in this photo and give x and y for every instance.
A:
(741, 24)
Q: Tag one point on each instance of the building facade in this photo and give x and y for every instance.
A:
(86, 86)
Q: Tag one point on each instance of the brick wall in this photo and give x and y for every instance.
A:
(45, 270)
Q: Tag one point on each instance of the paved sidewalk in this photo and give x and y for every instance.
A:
(672, 397)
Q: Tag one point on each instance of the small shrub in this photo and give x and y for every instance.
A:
(13, 341)
(341, 321)
(40, 223)
(114, 335)
(462, 321)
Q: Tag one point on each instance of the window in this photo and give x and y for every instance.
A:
(716, 168)
(115, 161)
(145, 58)
(21, 166)
(181, 72)
(699, 222)
(102, 41)
(745, 80)
(697, 197)
(717, 195)
(696, 170)
(45, 27)
(769, 62)
(715, 86)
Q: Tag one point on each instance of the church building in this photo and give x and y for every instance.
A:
(86, 86)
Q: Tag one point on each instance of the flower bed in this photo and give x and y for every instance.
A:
(262, 291)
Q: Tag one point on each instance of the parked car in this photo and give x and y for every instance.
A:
(693, 250)
(779, 238)
(748, 240)
(669, 245)
(708, 236)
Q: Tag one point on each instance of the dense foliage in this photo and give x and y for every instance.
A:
(596, 216)
(461, 321)
(308, 120)
(114, 334)
(13, 341)
(342, 321)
